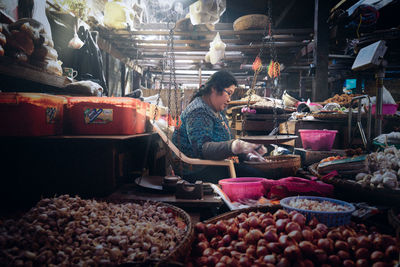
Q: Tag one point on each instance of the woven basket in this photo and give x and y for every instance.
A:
(251, 22)
(394, 220)
(177, 256)
(278, 166)
(325, 217)
(234, 213)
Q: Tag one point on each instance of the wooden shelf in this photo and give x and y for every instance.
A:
(22, 70)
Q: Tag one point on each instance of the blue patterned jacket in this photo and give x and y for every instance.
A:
(200, 125)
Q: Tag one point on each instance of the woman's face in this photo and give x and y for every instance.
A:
(219, 101)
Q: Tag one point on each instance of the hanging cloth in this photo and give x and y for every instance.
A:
(88, 60)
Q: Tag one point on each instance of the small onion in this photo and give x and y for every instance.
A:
(270, 236)
(334, 260)
(343, 255)
(271, 258)
(392, 252)
(377, 256)
(307, 235)
(261, 251)
(296, 235)
(299, 219)
(362, 263)
(292, 226)
(281, 224)
(348, 263)
(362, 253)
(292, 252)
(307, 247)
(281, 214)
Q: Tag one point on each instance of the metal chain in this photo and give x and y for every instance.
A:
(172, 83)
(256, 72)
(169, 59)
(276, 92)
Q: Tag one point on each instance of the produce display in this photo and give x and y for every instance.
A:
(343, 99)
(309, 204)
(71, 231)
(285, 239)
(384, 169)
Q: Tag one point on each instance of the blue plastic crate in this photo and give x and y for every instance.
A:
(325, 217)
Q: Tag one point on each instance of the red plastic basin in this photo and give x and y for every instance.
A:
(386, 108)
(319, 140)
(243, 188)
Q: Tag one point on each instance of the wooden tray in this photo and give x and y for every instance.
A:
(241, 102)
(268, 139)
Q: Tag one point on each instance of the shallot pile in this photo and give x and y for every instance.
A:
(72, 231)
(284, 239)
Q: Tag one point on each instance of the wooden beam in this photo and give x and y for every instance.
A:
(284, 13)
(116, 53)
(144, 48)
(202, 33)
(320, 89)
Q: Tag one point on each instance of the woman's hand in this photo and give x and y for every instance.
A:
(255, 158)
(242, 147)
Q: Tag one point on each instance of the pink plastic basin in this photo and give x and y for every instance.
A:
(319, 140)
(386, 108)
(243, 188)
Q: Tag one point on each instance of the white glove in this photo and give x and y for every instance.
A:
(242, 147)
(255, 158)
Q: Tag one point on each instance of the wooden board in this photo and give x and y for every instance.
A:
(21, 70)
(268, 139)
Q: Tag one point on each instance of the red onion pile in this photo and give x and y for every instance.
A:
(284, 239)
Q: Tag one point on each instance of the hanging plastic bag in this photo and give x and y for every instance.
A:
(206, 11)
(117, 15)
(217, 49)
(75, 42)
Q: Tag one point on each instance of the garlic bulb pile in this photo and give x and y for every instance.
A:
(384, 168)
(71, 231)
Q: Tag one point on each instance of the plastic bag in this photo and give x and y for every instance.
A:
(118, 16)
(206, 11)
(217, 50)
(387, 98)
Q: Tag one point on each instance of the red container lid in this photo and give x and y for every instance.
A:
(117, 101)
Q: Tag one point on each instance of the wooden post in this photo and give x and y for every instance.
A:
(123, 70)
(200, 77)
(107, 70)
(320, 90)
(302, 87)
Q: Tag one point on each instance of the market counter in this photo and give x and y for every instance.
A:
(89, 166)
(198, 209)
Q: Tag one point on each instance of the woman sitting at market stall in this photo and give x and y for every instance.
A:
(204, 133)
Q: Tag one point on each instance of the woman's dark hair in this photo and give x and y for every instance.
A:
(219, 80)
